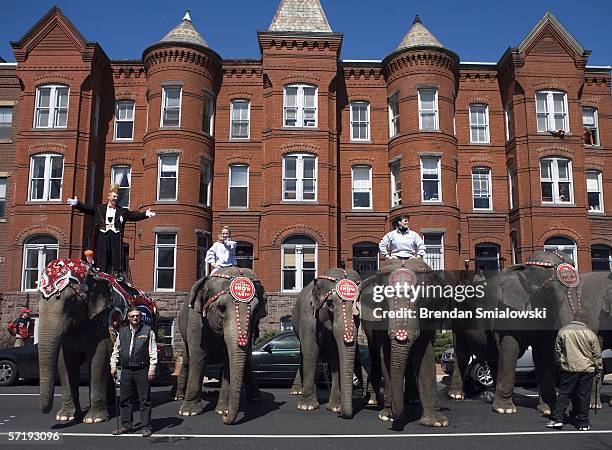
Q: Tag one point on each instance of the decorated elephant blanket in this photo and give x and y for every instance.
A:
(60, 273)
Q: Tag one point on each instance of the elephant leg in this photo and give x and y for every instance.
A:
(296, 388)
(335, 397)
(99, 378)
(508, 355)
(424, 359)
(373, 396)
(546, 370)
(68, 368)
(456, 388)
(411, 388)
(385, 363)
(192, 403)
(308, 369)
(222, 407)
(595, 402)
(181, 380)
(359, 371)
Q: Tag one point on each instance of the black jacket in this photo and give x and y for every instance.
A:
(122, 215)
(139, 358)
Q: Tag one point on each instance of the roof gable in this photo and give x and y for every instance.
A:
(300, 16)
(550, 37)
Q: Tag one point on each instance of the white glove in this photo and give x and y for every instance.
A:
(73, 201)
(149, 213)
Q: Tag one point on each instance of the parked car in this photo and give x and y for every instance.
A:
(480, 373)
(277, 359)
(22, 363)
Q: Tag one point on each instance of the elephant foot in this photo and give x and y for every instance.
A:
(386, 415)
(594, 405)
(433, 419)
(544, 409)
(334, 407)
(190, 409)
(370, 399)
(296, 389)
(96, 416)
(308, 404)
(179, 396)
(66, 414)
(457, 394)
(504, 407)
(222, 408)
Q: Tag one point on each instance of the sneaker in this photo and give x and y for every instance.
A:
(146, 432)
(122, 430)
(554, 424)
(586, 428)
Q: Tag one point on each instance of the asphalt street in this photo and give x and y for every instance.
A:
(276, 423)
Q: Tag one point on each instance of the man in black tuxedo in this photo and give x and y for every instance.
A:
(110, 220)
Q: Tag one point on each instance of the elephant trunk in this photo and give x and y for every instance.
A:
(237, 354)
(400, 352)
(346, 362)
(50, 336)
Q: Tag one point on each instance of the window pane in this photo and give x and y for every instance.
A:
(290, 167)
(564, 192)
(289, 280)
(545, 169)
(62, 97)
(541, 105)
(427, 99)
(309, 97)
(361, 199)
(168, 165)
(165, 278)
(291, 96)
(124, 130)
(563, 169)
(39, 167)
(165, 257)
(307, 277)
(289, 258)
(44, 97)
(558, 103)
(57, 165)
(430, 190)
(167, 188)
(55, 190)
(238, 175)
(547, 195)
(173, 97)
(309, 260)
(166, 238)
(238, 196)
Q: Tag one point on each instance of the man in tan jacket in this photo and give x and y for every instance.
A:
(579, 356)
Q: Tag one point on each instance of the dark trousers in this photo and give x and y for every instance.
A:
(108, 252)
(575, 386)
(134, 382)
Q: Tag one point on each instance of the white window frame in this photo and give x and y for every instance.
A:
(479, 126)
(41, 261)
(550, 112)
(366, 189)
(562, 248)
(511, 188)
(299, 264)
(209, 111)
(229, 185)
(158, 246)
(555, 180)
(53, 108)
(599, 191)
(300, 107)
(353, 105)
(6, 121)
(114, 168)
(164, 106)
(396, 194)
(126, 120)
(3, 192)
(514, 250)
(394, 115)
(205, 162)
(439, 247)
(594, 126)
(96, 118)
(240, 119)
(47, 178)
(439, 179)
(507, 112)
(159, 177)
(486, 192)
(423, 111)
(299, 181)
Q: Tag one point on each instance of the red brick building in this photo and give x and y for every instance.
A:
(307, 156)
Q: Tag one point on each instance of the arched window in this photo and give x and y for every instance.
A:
(601, 258)
(562, 244)
(551, 111)
(46, 176)
(299, 177)
(365, 258)
(300, 106)
(299, 262)
(38, 251)
(51, 106)
(487, 257)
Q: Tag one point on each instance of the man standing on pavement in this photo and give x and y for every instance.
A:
(22, 328)
(579, 356)
(135, 351)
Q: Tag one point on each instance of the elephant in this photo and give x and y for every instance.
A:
(401, 348)
(547, 281)
(323, 321)
(218, 324)
(78, 307)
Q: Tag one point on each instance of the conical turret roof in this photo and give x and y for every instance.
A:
(185, 32)
(300, 16)
(419, 36)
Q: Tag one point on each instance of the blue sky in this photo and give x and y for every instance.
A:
(476, 31)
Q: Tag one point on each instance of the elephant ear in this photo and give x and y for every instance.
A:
(607, 301)
(512, 288)
(99, 298)
(312, 290)
(193, 298)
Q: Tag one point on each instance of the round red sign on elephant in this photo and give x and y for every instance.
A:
(568, 275)
(402, 276)
(347, 290)
(242, 289)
